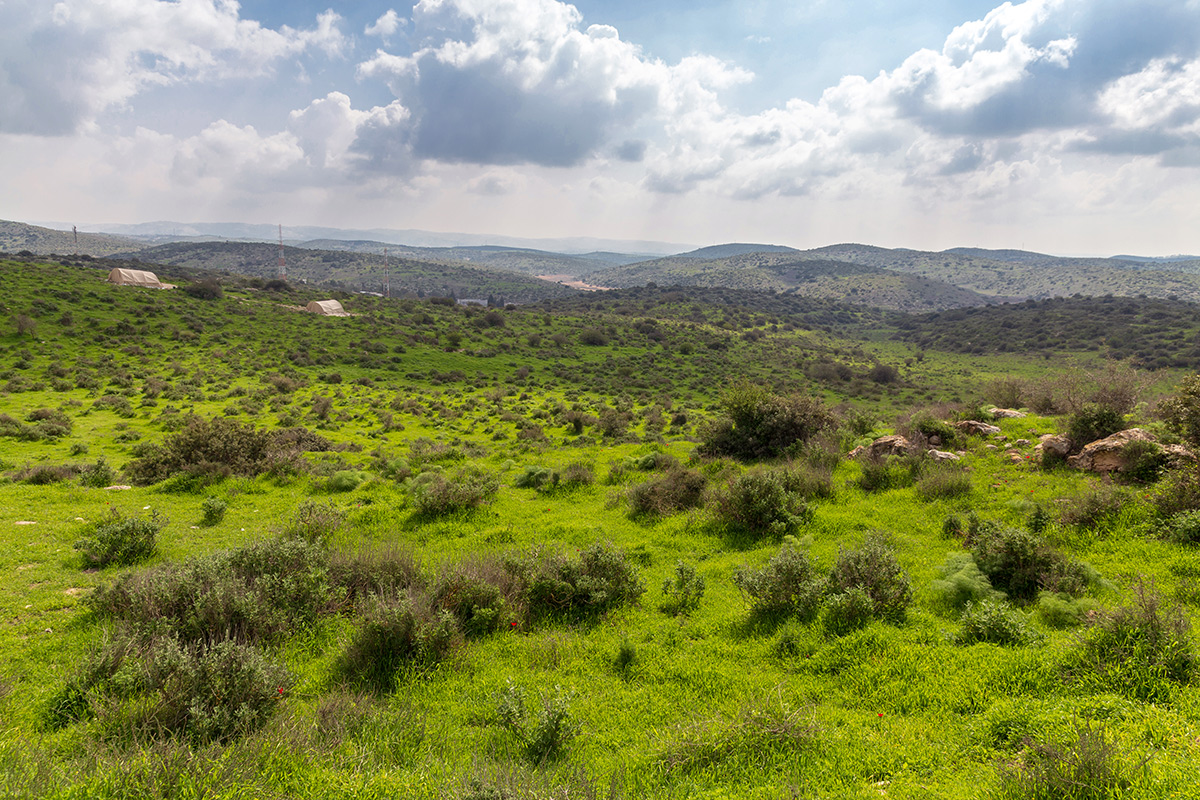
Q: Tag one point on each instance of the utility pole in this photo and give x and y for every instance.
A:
(387, 276)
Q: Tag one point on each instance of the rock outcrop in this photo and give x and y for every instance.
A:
(1005, 413)
(883, 446)
(973, 427)
(1108, 454)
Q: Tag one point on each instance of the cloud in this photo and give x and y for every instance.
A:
(386, 26)
(522, 82)
(63, 64)
(1108, 77)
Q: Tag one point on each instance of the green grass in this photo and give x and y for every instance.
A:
(714, 704)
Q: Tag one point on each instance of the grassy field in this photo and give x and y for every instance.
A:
(550, 680)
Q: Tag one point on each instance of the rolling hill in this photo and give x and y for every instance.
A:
(354, 271)
(795, 273)
(16, 237)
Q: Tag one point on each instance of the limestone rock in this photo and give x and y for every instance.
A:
(1107, 455)
(976, 428)
(1005, 413)
(941, 455)
(1051, 445)
(883, 446)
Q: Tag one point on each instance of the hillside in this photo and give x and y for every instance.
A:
(603, 546)
(508, 259)
(796, 274)
(354, 271)
(16, 237)
(1032, 276)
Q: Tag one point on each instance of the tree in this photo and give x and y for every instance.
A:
(1182, 412)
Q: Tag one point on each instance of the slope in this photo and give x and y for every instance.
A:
(16, 237)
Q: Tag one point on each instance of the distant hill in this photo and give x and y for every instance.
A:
(509, 259)
(796, 273)
(354, 271)
(16, 237)
(412, 238)
(735, 249)
(1040, 277)
(1151, 333)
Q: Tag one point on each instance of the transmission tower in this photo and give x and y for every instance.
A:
(282, 263)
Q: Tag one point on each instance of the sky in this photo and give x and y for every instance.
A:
(1066, 126)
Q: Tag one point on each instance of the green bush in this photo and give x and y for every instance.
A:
(120, 540)
(1095, 506)
(599, 579)
(545, 734)
(758, 502)
(873, 568)
(758, 424)
(683, 592)
(788, 585)
(1141, 650)
(1144, 461)
(1088, 767)
(213, 510)
(250, 594)
(1091, 422)
(943, 483)
(933, 430)
(888, 472)
(677, 490)
(314, 522)
(848, 611)
(97, 475)
(475, 598)
(1183, 528)
(434, 495)
(995, 622)
(535, 477)
(1182, 412)
(217, 447)
(1021, 563)
(394, 634)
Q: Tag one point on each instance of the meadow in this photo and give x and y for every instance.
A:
(608, 546)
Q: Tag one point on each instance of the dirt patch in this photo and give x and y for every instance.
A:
(569, 280)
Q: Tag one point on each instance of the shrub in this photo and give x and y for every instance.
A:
(848, 611)
(1179, 491)
(1183, 528)
(675, 491)
(888, 472)
(1091, 508)
(213, 510)
(384, 572)
(593, 337)
(682, 594)
(933, 430)
(1085, 768)
(207, 289)
(873, 568)
(1020, 563)
(599, 579)
(534, 477)
(217, 447)
(1143, 461)
(120, 540)
(545, 735)
(1093, 421)
(758, 424)
(1182, 412)
(1140, 650)
(476, 597)
(788, 585)
(759, 502)
(994, 621)
(434, 495)
(943, 483)
(626, 657)
(250, 594)
(97, 475)
(207, 693)
(961, 583)
(50, 423)
(314, 522)
(396, 633)
(758, 734)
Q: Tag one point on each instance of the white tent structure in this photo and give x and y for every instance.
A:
(137, 277)
(327, 308)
